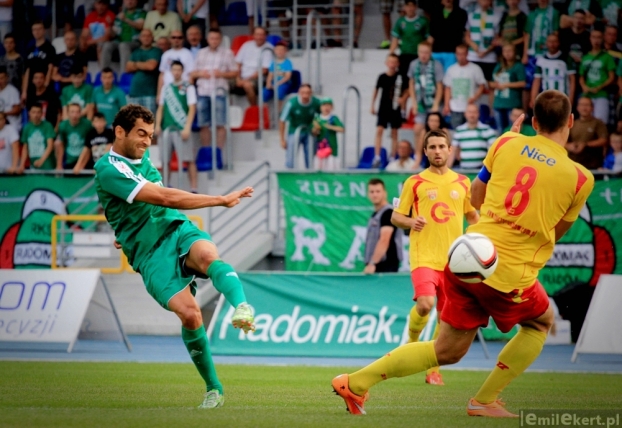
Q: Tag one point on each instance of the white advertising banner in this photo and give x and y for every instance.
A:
(44, 305)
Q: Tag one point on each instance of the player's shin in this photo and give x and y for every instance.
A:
(437, 330)
(198, 348)
(406, 360)
(226, 281)
(514, 358)
(416, 324)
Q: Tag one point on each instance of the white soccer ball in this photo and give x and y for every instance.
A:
(472, 258)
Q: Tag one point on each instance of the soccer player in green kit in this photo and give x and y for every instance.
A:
(161, 243)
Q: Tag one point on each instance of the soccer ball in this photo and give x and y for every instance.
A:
(472, 258)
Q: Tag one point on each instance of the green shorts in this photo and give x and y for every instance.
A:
(162, 269)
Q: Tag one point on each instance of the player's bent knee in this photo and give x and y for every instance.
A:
(190, 317)
(424, 305)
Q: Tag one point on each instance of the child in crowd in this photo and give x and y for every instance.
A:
(508, 83)
(97, 143)
(325, 128)
(281, 68)
(613, 161)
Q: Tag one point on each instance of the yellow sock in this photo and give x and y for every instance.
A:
(408, 359)
(437, 329)
(416, 325)
(514, 358)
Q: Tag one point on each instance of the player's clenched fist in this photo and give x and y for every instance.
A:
(233, 198)
(418, 223)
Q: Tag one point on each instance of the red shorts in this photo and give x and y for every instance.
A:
(429, 282)
(468, 306)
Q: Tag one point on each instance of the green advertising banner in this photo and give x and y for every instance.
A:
(27, 205)
(327, 214)
(323, 315)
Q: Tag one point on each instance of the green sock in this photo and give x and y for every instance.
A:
(226, 281)
(198, 348)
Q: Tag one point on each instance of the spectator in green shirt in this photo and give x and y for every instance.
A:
(125, 33)
(78, 93)
(70, 140)
(508, 83)
(409, 30)
(596, 73)
(38, 141)
(526, 129)
(108, 97)
(144, 63)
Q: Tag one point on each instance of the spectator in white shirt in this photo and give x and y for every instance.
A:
(248, 61)
(177, 52)
(9, 146)
(10, 101)
(214, 65)
(404, 162)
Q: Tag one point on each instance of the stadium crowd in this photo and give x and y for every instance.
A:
(465, 66)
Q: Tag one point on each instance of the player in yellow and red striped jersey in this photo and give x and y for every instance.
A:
(432, 206)
(529, 194)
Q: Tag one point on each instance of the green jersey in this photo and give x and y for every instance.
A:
(611, 9)
(298, 114)
(138, 226)
(124, 31)
(109, 103)
(411, 32)
(553, 70)
(327, 134)
(82, 95)
(145, 83)
(176, 101)
(36, 137)
(595, 68)
(73, 138)
(541, 23)
(509, 98)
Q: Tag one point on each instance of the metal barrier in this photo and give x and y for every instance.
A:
(346, 94)
(317, 87)
(99, 240)
(260, 91)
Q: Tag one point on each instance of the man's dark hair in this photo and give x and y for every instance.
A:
(9, 36)
(551, 110)
(76, 69)
(214, 30)
(37, 22)
(107, 70)
(99, 115)
(436, 133)
(411, 1)
(74, 105)
(35, 104)
(306, 85)
(462, 46)
(3, 70)
(129, 114)
(581, 11)
(376, 181)
(177, 63)
(259, 27)
(392, 55)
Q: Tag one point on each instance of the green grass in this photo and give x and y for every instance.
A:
(166, 395)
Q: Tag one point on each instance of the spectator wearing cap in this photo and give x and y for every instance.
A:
(143, 64)
(279, 71)
(162, 21)
(125, 33)
(325, 127)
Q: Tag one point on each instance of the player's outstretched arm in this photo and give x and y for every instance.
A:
(174, 198)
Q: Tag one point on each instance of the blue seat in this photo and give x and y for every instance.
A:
(273, 39)
(367, 158)
(236, 13)
(98, 79)
(204, 159)
(296, 82)
(125, 82)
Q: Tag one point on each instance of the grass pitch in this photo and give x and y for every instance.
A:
(119, 395)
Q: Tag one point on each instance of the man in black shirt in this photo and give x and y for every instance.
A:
(394, 92)
(39, 93)
(96, 144)
(66, 61)
(447, 26)
(575, 41)
(383, 243)
(40, 57)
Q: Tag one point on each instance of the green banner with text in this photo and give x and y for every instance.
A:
(27, 205)
(327, 215)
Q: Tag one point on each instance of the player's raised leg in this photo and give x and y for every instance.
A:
(515, 357)
(203, 258)
(195, 339)
(451, 345)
